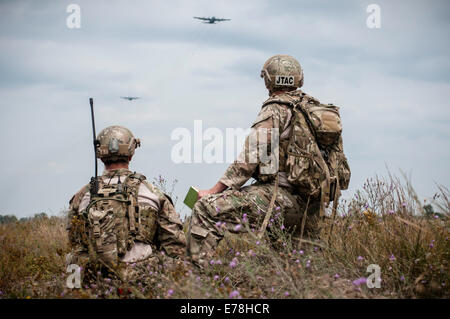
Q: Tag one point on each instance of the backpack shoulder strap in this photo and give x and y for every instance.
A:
(301, 107)
(277, 100)
(139, 176)
(134, 181)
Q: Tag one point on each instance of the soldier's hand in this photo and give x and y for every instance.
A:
(205, 192)
(218, 188)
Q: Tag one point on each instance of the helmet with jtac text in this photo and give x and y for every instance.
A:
(282, 71)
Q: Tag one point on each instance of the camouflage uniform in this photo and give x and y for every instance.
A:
(217, 213)
(169, 236)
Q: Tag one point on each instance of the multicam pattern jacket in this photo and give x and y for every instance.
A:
(169, 234)
(272, 116)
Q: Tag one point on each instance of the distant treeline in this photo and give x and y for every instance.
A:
(4, 219)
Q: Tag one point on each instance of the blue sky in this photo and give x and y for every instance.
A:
(392, 84)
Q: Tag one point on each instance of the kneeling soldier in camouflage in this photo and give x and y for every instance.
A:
(123, 219)
(305, 143)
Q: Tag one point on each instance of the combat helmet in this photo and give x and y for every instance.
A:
(282, 71)
(116, 143)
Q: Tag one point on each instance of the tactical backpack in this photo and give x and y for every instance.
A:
(114, 220)
(315, 162)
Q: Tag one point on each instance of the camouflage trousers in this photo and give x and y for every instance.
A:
(214, 215)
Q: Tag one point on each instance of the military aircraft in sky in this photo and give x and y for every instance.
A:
(211, 20)
(130, 98)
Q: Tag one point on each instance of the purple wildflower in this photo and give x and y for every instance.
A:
(336, 276)
(282, 227)
(277, 208)
(170, 292)
(227, 279)
(392, 258)
(234, 294)
(216, 277)
(359, 281)
(360, 258)
(237, 227)
(391, 211)
(233, 262)
(217, 209)
(402, 278)
(301, 252)
(286, 293)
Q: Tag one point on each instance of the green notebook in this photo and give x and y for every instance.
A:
(191, 197)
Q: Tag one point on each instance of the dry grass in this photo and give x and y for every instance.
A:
(32, 256)
(384, 224)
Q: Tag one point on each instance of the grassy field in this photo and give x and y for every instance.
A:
(384, 224)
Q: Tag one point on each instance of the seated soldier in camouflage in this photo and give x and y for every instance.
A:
(124, 219)
(298, 185)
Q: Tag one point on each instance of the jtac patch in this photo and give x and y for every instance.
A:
(284, 80)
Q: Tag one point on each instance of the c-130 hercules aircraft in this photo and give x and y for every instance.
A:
(211, 20)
